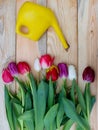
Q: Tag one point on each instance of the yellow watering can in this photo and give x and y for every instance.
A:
(35, 20)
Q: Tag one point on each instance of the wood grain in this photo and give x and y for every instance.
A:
(7, 48)
(27, 50)
(78, 20)
(66, 13)
(42, 43)
(88, 45)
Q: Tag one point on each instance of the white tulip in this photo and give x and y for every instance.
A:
(37, 66)
(72, 72)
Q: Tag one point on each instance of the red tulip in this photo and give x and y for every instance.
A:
(23, 67)
(6, 76)
(52, 73)
(46, 61)
(88, 74)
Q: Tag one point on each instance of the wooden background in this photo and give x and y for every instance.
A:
(78, 20)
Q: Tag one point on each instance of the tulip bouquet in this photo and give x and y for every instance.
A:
(37, 105)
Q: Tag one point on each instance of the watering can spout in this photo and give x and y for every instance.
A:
(33, 20)
(59, 33)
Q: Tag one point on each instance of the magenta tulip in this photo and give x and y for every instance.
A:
(6, 76)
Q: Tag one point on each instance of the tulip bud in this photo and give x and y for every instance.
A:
(13, 68)
(6, 76)
(52, 73)
(63, 70)
(23, 67)
(46, 61)
(88, 74)
(72, 72)
(37, 66)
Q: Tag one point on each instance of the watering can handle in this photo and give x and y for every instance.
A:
(23, 30)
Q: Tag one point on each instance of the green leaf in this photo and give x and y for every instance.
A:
(80, 98)
(50, 94)
(49, 120)
(33, 87)
(60, 115)
(62, 93)
(41, 104)
(15, 114)
(68, 124)
(93, 100)
(28, 119)
(28, 101)
(70, 111)
(9, 109)
(29, 124)
(18, 109)
(72, 93)
(27, 115)
(65, 119)
(15, 100)
(15, 122)
(78, 127)
(78, 108)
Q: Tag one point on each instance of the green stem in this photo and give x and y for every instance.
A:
(88, 100)
(22, 108)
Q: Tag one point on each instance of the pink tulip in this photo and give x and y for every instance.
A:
(46, 61)
(23, 67)
(6, 76)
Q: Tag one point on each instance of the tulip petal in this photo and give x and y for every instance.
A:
(88, 74)
(37, 66)
(63, 70)
(72, 72)
(13, 68)
(6, 76)
(23, 67)
(46, 61)
(52, 73)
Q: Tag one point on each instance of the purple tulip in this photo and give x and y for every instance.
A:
(63, 70)
(13, 68)
(88, 74)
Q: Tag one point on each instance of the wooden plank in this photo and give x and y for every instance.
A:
(88, 46)
(7, 48)
(27, 50)
(42, 43)
(66, 12)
